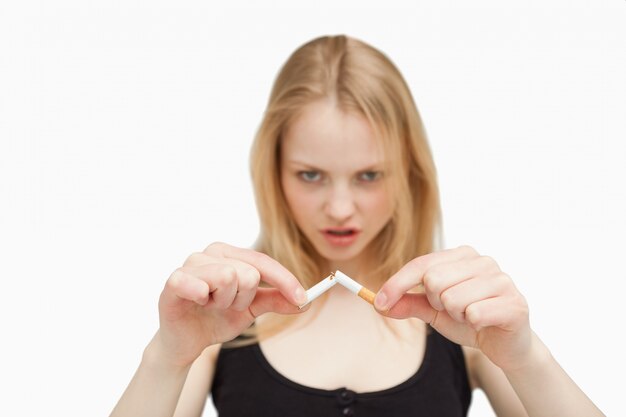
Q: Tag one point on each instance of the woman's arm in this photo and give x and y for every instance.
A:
(545, 389)
(157, 389)
(538, 387)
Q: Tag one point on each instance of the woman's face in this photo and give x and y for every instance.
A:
(332, 176)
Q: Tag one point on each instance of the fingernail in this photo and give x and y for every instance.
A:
(300, 296)
(380, 302)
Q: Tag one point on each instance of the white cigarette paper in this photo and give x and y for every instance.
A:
(355, 287)
(348, 282)
(319, 289)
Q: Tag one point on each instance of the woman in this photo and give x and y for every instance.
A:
(344, 180)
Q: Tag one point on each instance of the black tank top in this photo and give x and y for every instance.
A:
(245, 384)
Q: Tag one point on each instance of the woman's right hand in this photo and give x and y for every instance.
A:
(215, 296)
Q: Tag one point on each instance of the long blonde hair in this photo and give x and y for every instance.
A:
(361, 79)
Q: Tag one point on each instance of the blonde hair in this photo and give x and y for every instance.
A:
(361, 79)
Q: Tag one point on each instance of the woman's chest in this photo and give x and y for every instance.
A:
(360, 359)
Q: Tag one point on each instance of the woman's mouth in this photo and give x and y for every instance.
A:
(341, 236)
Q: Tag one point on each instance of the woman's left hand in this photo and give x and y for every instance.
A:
(466, 298)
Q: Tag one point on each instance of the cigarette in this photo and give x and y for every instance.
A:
(355, 287)
(319, 289)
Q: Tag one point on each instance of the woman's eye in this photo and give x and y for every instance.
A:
(370, 176)
(309, 176)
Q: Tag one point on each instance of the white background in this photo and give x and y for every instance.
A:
(124, 135)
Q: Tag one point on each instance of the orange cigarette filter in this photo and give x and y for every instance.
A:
(367, 295)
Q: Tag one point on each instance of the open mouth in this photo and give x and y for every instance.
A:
(341, 236)
(340, 232)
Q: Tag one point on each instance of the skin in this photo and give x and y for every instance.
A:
(326, 172)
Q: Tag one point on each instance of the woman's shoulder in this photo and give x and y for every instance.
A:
(480, 369)
(208, 358)
(472, 357)
(207, 361)
(212, 351)
(199, 381)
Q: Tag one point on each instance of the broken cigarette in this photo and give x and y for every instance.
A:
(341, 278)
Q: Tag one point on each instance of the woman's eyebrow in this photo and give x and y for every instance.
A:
(304, 164)
(376, 166)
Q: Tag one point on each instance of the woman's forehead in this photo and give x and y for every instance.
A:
(324, 133)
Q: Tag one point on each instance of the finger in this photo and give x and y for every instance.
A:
(199, 258)
(247, 278)
(246, 290)
(456, 298)
(272, 300)
(271, 271)
(507, 313)
(222, 280)
(412, 305)
(416, 305)
(411, 274)
(181, 286)
(243, 299)
(441, 277)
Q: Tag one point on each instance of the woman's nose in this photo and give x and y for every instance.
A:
(340, 204)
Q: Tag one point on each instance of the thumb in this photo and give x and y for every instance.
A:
(272, 300)
(412, 305)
